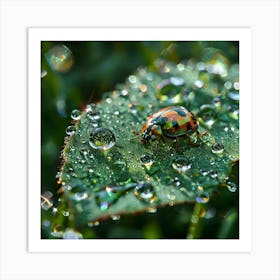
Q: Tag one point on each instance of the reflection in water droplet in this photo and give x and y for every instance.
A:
(72, 234)
(65, 213)
(177, 81)
(115, 217)
(217, 102)
(78, 196)
(208, 115)
(181, 165)
(147, 159)
(169, 93)
(110, 194)
(60, 58)
(145, 192)
(92, 114)
(102, 139)
(204, 172)
(70, 130)
(152, 209)
(119, 165)
(213, 174)
(203, 197)
(199, 83)
(132, 79)
(234, 95)
(75, 114)
(217, 148)
(232, 187)
(236, 85)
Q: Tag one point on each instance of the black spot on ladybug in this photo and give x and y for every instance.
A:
(189, 127)
(175, 124)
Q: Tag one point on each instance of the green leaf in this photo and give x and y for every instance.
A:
(107, 171)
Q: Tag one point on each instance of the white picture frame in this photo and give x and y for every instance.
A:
(17, 262)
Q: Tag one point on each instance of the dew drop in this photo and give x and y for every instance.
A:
(72, 234)
(65, 213)
(145, 192)
(177, 81)
(228, 85)
(199, 83)
(115, 217)
(60, 58)
(234, 95)
(75, 114)
(181, 165)
(152, 209)
(147, 159)
(78, 196)
(203, 197)
(132, 79)
(102, 139)
(231, 186)
(217, 102)
(204, 172)
(119, 165)
(213, 174)
(208, 115)
(236, 85)
(169, 93)
(70, 130)
(217, 148)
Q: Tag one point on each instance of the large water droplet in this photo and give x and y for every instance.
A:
(145, 192)
(208, 115)
(75, 114)
(102, 139)
(169, 93)
(217, 148)
(60, 58)
(70, 130)
(147, 159)
(119, 165)
(181, 165)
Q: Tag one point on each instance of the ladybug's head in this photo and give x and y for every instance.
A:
(147, 134)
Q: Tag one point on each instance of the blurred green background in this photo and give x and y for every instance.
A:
(95, 68)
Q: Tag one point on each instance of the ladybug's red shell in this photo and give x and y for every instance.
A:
(170, 122)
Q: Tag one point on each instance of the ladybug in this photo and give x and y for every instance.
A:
(170, 122)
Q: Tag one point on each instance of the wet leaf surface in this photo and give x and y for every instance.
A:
(108, 172)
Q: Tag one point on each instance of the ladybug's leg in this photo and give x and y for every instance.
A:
(177, 143)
